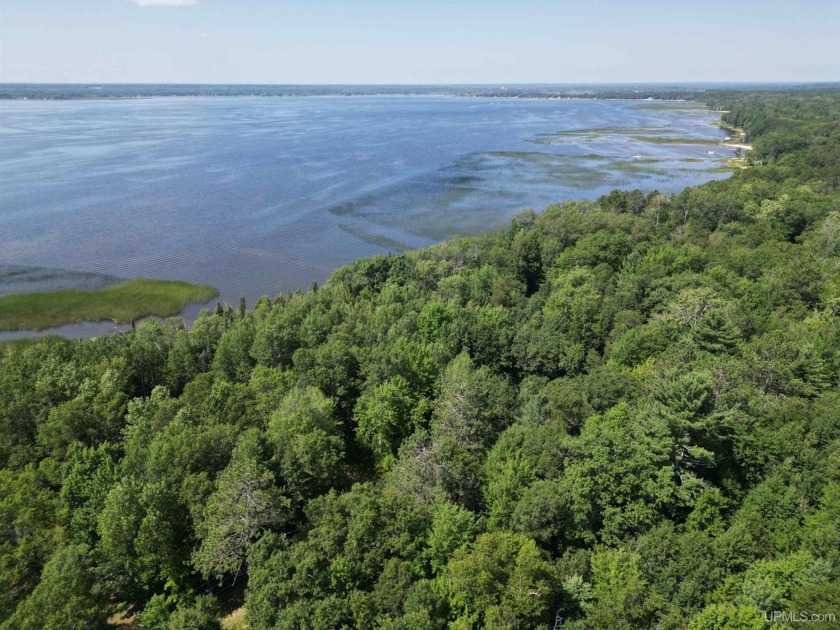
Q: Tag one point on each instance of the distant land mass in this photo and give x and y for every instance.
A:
(70, 91)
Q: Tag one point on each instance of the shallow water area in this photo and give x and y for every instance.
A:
(266, 195)
(85, 330)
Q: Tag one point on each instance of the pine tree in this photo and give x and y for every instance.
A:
(715, 333)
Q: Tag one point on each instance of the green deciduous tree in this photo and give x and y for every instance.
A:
(385, 415)
(502, 580)
(621, 596)
(305, 443)
(66, 597)
(245, 504)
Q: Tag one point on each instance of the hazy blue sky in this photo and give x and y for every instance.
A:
(412, 41)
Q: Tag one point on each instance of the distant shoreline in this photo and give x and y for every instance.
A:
(640, 91)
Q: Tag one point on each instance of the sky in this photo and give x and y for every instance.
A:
(413, 41)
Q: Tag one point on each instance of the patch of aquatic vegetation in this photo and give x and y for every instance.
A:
(444, 220)
(678, 107)
(569, 157)
(660, 140)
(348, 208)
(24, 279)
(466, 180)
(591, 135)
(539, 156)
(474, 193)
(539, 167)
(375, 239)
(560, 140)
(617, 130)
(639, 167)
(526, 156)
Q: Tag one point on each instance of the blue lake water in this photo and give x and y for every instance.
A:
(266, 195)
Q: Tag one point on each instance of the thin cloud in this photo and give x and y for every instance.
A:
(165, 3)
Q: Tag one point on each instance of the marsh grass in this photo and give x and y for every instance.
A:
(592, 135)
(120, 303)
(643, 167)
(677, 107)
(659, 140)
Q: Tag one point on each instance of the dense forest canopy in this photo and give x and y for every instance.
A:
(612, 414)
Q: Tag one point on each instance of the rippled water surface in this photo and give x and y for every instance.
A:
(263, 195)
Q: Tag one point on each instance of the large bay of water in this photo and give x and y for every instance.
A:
(265, 195)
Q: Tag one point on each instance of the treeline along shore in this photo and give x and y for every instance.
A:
(613, 414)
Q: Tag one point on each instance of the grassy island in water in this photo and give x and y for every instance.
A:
(120, 303)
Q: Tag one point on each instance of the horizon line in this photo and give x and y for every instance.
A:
(422, 84)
